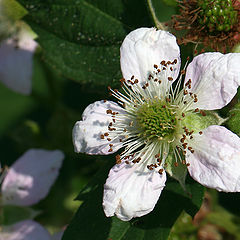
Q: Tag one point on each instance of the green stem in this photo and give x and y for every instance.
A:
(158, 24)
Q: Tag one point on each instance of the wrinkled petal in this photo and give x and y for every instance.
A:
(29, 179)
(215, 78)
(131, 191)
(144, 47)
(16, 64)
(25, 230)
(87, 133)
(215, 162)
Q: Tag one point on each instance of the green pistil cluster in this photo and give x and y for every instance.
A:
(217, 15)
(156, 120)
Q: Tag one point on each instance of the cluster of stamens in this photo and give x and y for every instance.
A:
(151, 123)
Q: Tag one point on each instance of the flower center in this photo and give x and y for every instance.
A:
(156, 120)
(217, 15)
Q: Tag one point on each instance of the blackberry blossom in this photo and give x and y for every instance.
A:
(160, 126)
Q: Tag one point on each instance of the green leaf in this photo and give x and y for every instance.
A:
(14, 214)
(191, 199)
(178, 172)
(12, 10)
(81, 38)
(233, 121)
(91, 223)
(13, 107)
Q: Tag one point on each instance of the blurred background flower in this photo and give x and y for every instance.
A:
(25, 183)
(16, 48)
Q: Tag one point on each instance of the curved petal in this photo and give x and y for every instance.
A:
(87, 133)
(131, 191)
(215, 78)
(215, 162)
(16, 64)
(144, 47)
(25, 230)
(29, 179)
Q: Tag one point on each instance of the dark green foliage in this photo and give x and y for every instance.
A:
(81, 38)
(91, 223)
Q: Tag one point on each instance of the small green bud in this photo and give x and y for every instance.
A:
(220, 14)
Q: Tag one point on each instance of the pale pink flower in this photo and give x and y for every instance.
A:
(26, 182)
(27, 230)
(30, 178)
(16, 62)
(156, 123)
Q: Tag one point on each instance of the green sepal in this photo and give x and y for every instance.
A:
(172, 3)
(197, 122)
(12, 214)
(12, 10)
(11, 13)
(178, 172)
(234, 119)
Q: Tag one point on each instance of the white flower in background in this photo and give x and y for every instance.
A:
(162, 126)
(26, 182)
(16, 62)
(27, 230)
(16, 50)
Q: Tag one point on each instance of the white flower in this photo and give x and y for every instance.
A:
(16, 62)
(17, 47)
(25, 230)
(28, 230)
(157, 123)
(30, 178)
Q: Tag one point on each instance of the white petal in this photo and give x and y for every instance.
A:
(215, 78)
(144, 47)
(29, 179)
(87, 133)
(131, 191)
(215, 162)
(16, 64)
(25, 230)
